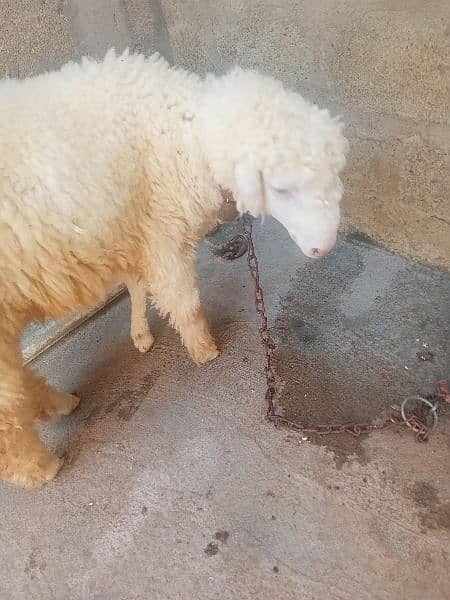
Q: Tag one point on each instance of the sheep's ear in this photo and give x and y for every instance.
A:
(249, 190)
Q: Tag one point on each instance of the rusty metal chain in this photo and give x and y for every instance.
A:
(418, 422)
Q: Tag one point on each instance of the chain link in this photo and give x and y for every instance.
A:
(418, 424)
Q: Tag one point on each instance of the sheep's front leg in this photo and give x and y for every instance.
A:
(140, 330)
(173, 286)
(195, 334)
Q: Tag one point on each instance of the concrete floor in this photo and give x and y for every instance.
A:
(176, 488)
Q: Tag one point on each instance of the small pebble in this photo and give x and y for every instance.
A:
(275, 569)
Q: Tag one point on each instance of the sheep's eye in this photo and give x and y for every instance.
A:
(281, 191)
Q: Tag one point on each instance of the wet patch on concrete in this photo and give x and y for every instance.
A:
(119, 385)
(349, 331)
(358, 237)
(135, 377)
(128, 402)
(434, 514)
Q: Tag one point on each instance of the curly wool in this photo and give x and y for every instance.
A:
(110, 173)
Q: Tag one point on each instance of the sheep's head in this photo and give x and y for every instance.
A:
(277, 153)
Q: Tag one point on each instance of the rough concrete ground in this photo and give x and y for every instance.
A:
(176, 488)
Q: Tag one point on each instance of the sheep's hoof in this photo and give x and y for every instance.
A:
(61, 405)
(69, 402)
(143, 341)
(45, 473)
(204, 353)
(34, 474)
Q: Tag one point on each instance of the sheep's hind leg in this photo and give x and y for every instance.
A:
(24, 459)
(49, 404)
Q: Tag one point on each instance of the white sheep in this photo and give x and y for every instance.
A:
(111, 172)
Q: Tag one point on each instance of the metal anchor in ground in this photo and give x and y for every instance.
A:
(235, 248)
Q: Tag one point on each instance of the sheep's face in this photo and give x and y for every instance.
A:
(296, 180)
(279, 154)
(307, 205)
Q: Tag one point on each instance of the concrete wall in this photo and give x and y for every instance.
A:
(383, 64)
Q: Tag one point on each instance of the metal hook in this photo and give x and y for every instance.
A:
(422, 429)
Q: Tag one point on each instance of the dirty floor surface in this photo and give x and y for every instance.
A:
(175, 487)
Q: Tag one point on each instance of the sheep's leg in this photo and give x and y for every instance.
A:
(49, 403)
(24, 459)
(196, 337)
(140, 330)
(175, 292)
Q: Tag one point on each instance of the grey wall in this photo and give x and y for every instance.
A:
(383, 64)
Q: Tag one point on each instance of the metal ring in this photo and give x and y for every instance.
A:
(433, 408)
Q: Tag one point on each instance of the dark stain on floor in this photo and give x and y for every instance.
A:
(131, 387)
(35, 564)
(348, 334)
(211, 549)
(222, 535)
(359, 237)
(433, 514)
(118, 387)
(130, 400)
